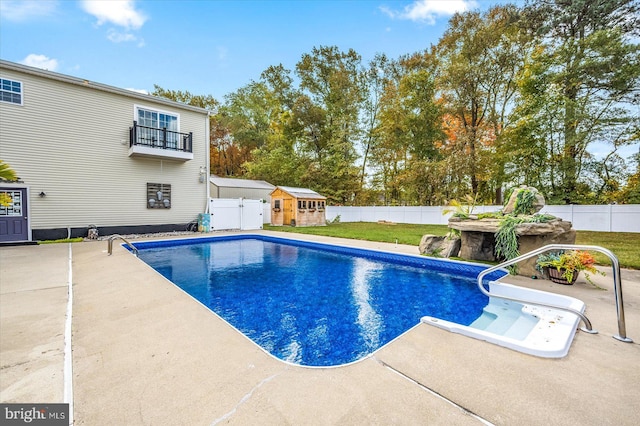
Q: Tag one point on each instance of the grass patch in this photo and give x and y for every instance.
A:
(625, 245)
(63, 240)
(404, 233)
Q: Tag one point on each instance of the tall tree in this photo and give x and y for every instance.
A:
(277, 160)
(630, 193)
(224, 155)
(246, 114)
(406, 153)
(480, 57)
(374, 78)
(423, 118)
(207, 102)
(325, 119)
(581, 87)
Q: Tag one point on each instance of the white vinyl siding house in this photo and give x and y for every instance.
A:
(70, 143)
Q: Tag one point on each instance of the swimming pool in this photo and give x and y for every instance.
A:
(316, 304)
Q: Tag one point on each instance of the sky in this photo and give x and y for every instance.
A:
(210, 47)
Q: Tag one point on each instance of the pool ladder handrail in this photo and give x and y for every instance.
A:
(120, 237)
(617, 282)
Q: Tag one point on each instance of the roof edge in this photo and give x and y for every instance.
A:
(94, 85)
(287, 189)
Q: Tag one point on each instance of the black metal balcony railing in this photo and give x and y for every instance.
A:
(160, 138)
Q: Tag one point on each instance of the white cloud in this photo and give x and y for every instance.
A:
(118, 37)
(143, 91)
(40, 61)
(23, 10)
(222, 52)
(388, 12)
(117, 12)
(429, 10)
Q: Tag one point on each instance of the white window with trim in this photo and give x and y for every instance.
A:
(157, 128)
(11, 91)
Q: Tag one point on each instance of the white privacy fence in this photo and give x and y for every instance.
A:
(606, 218)
(233, 213)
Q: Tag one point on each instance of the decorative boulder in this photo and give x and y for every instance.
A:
(477, 245)
(478, 239)
(512, 205)
(432, 245)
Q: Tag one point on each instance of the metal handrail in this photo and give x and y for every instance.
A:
(617, 282)
(115, 237)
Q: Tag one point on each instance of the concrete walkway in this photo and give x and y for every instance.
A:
(144, 352)
(33, 303)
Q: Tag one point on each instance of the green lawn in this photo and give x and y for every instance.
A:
(625, 245)
(404, 233)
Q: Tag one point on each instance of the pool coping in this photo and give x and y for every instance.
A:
(124, 331)
(453, 265)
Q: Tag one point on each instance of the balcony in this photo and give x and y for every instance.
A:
(160, 143)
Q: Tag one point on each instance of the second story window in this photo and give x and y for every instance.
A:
(11, 91)
(158, 128)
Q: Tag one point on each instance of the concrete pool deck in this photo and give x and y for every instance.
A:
(144, 352)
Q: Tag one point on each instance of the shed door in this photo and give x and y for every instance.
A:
(287, 210)
(14, 221)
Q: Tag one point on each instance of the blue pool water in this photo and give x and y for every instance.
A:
(315, 304)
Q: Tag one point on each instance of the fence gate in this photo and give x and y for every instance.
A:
(235, 213)
(251, 214)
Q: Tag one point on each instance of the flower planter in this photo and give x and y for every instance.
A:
(555, 275)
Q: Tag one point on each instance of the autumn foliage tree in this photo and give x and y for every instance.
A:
(480, 58)
(516, 94)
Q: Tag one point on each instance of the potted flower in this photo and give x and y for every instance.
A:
(564, 267)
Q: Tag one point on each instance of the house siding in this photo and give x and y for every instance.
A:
(72, 143)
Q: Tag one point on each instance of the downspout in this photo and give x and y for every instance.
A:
(208, 164)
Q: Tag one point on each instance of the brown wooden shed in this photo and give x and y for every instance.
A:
(297, 207)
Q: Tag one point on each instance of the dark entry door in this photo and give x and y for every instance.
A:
(14, 224)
